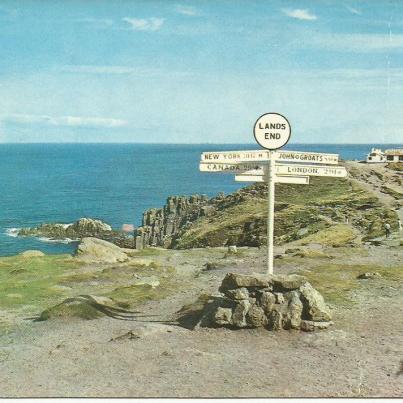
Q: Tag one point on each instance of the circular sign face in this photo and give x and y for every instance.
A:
(272, 131)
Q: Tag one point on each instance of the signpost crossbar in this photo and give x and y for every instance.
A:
(263, 156)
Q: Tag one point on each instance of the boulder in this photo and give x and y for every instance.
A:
(97, 250)
(223, 316)
(314, 305)
(275, 320)
(235, 280)
(295, 308)
(32, 253)
(256, 317)
(238, 293)
(289, 282)
(239, 314)
(267, 301)
(279, 298)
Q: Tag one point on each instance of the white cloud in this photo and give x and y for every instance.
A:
(72, 121)
(145, 24)
(353, 10)
(187, 10)
(300, 14)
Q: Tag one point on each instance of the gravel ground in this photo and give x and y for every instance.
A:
(361, 355)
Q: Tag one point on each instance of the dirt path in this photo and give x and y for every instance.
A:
(359, 356)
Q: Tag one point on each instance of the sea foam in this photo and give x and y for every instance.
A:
(13, 232)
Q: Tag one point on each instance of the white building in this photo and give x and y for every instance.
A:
(377, 155)
(394, 155)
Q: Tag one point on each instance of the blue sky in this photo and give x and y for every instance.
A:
(200, 71)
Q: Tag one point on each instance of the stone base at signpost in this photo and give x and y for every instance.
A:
(274, 302)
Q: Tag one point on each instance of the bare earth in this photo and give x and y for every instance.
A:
(360, 355)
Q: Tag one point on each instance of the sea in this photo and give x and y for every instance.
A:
(116, 183)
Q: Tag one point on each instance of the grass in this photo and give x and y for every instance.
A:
(32, 281)
(336, 282)
(336, 235)
(227, 223)
(396, 166)
(320, 190)
(300, 212)
(29, 286)
(397, 195)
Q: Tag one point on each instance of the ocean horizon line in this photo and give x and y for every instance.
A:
(174, 144)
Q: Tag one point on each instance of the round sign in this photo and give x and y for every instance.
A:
(272, 131)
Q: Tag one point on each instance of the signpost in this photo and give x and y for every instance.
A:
(272, 131)
(280, 169)
(262, 156)
(296, 180)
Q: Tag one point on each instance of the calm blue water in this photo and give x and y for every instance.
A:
(112, 182)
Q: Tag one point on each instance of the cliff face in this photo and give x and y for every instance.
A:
(341, 207)
(161, 226)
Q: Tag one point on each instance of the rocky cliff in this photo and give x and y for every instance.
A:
(337, 211)
(161, 226)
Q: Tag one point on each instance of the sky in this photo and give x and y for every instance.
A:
(200, 71)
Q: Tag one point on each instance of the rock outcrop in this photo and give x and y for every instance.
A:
(84, 227)
(98, 250)
(161, 226)
(273, 302)
(32, 253)
(339, 207)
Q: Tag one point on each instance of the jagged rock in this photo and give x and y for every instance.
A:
(235, 280)
(239, 314)
(289, 282)
(238, 293)
(161, 227)
(84, 227)
(314, 307)
(369, 275)
(223, 316)
(256, 317)
(275, 320)
(267, 301)
(279, 298)
(310, 325)
(32, 253)
(97, 250)
(295, 308)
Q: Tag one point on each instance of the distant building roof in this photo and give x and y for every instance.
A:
(397, 151)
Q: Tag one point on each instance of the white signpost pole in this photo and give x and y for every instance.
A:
(272, 131)
(270, 216)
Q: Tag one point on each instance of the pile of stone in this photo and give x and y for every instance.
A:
(274, 302)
